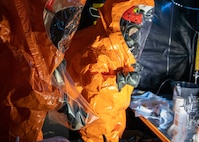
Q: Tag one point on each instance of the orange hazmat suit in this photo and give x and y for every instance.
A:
(95, 56)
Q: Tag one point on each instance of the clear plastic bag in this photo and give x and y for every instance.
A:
(153, 107)
(61, 20)
(75, 112)
(135, 26)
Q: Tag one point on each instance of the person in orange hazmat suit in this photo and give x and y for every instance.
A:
(104, 69)
(28, 60)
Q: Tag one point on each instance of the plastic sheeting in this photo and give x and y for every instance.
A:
(61, 20)
(153, 107)
(169, 51)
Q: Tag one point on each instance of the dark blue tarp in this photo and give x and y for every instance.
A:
(169, 52)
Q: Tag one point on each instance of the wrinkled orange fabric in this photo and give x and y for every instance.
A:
(96, 54)
(27, 61)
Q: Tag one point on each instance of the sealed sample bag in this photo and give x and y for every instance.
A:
(82, 79)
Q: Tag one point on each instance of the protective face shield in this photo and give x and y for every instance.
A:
(135, 26)
(61, 20)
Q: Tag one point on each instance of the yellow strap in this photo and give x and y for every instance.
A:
(98, 5)
(197, 55)
(94, 22)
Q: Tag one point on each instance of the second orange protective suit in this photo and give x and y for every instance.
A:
(95, 56)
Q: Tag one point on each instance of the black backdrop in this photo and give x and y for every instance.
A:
(169, 51)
